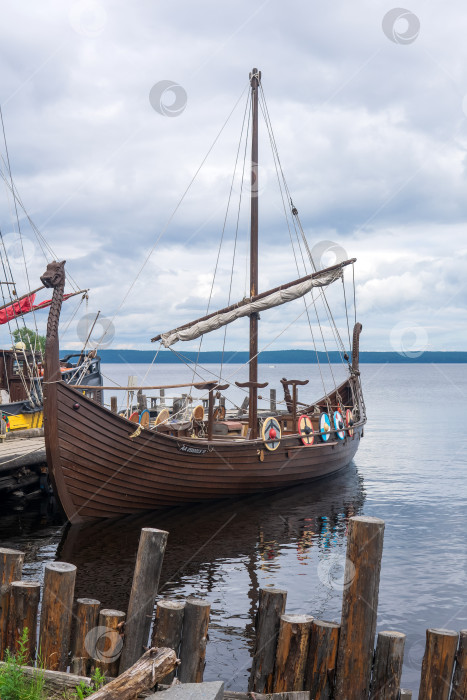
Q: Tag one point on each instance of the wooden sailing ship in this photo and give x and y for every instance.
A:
(101, 466)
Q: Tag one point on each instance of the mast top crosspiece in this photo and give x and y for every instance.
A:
(255, 73)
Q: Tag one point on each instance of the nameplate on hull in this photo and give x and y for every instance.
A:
(192, 450)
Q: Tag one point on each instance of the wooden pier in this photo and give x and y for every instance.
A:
(23, 465)
(296, 657)
(21, 452)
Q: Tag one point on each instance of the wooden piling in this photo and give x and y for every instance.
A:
(56, 614)
(84, 641)
(194, 640)
(321, 662)
(143, 592)
(292, 652)
(268, 619)
(168, 626)
(438, 664)
(359, 607)
(22, 614)
(113, 404)
(109, 641)
(459, 681)
(11, 568)
(387, 667)
(141, 400)
(272, 400)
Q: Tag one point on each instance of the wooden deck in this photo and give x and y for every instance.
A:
(21, 452)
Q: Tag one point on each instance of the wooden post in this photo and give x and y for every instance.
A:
(268, 619)
(143, 592)
(22, 614)
(322, 656)
(154, 665)
(292, 651)
(194, 640)
(11, 568)
(459, 681)
(56, 614)
(294, 408)
(272, 400)
(142, 400)
(109, 641)
(438, 664)
(162, 395)
(84, 644)
(210, 415)
(359, 607)
(387, 667)
(113, 404)
(168, 625)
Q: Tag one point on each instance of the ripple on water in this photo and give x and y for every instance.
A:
(409, 471)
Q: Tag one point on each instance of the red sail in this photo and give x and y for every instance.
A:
(24, 306)
(18, 308)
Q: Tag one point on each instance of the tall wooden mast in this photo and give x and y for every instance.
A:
(255, 77)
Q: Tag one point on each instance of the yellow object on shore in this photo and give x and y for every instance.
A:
(25, 421)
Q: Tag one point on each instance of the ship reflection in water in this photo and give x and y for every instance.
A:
(224, 551)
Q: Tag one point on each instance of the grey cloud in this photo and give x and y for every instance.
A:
(371, 134)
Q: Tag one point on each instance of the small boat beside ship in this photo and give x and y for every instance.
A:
(102, 464)
(21, 374)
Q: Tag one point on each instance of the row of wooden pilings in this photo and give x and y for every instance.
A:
(292, 652)
(339, 661)
(81, 636)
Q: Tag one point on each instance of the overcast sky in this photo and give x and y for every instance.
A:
(369, 110)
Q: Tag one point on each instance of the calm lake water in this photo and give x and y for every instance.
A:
(410, 470)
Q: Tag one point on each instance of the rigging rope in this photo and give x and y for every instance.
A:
(291, 240)
(43, 244)
(237, 223)
(224, 225)
(33, 356)
(169, 220)
(333, 324)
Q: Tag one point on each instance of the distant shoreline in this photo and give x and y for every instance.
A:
(275, 357)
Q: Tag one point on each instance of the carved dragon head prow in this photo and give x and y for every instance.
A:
(54, 276)
(357, 329)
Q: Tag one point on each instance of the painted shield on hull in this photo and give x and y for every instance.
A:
(339, 425)
(271, 434)
(163, 416)
(145, 418)
(305, 428)
(349, 422)
(325, 427)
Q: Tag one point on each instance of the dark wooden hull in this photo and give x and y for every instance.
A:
(98, 471)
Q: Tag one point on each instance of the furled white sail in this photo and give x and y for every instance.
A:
(281, 296)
